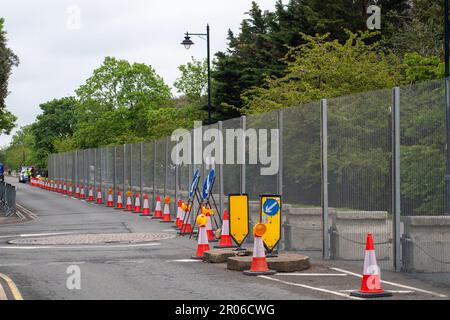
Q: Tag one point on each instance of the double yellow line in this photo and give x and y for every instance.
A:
(12, 287)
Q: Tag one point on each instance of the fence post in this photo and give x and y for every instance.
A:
(124, 170)
(86, 170)
(286, 226)
(141, 170)
(76, 166)
(243, 127)
(131, 168)
(221, 159)
(165, 166)
(154, 174)
(324, 153)
(176, 181)
(396, 177)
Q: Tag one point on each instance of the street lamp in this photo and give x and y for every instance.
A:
(187, 43)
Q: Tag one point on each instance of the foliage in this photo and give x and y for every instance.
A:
(193, 81)
(20, 151)
(8, 60)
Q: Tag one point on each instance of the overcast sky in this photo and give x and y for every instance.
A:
(60, 42)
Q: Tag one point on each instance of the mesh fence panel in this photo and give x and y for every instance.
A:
(147, 167)
(359, 174)
(120, 169)
(160, 166)
(232, 170)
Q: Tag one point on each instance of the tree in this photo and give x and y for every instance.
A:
(193, 81)
(20, 152)
(56, 123)
(114, 103)
(8, 60)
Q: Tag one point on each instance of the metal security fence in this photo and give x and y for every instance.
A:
(7, 199)
(372, 162)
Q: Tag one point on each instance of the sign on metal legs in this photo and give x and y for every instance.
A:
(271, 217)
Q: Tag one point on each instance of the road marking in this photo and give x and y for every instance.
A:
(82, 247)
(394, 284)
(12, 286)
(185, 260)
(313, 274)
(340, 294)
(169, 230)
(2, 294)
(35, 235)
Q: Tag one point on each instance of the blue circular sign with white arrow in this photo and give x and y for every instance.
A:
(271, 207)
(208, 183)
(194, 183)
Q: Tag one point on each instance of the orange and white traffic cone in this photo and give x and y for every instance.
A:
(129, 205)
(158, 213)
(119, 203)
(225, 238)
(178, 221)
(99, 196)
(110, 202)
(259, 263)
(137, 203)
(166, 213)
(90, 194)
(82, 192)
(202, 241)
(371, 281)
(146, 208)
(186, 227)
(209, 231)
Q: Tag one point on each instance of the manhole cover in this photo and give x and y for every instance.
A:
(87, 239)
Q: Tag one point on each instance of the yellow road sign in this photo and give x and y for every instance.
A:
(238, 211)
(271, 217)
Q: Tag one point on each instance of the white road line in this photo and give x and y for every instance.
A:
(313, 274)
(82, 247)
(185, 260)
(170, 230)
(35, 235)
(340, 294)
(394, 284)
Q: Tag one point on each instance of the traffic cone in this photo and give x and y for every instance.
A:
(259, 263)
(119, 203)
(137, 203)
(178, 221)
(64, 188)
(110, 202)
(146, 208)
(202, 241)
(90, 195)
(225, 238)
(81, 192)
(158, 212)
(166, 215)
(77, 191)
(70, 192)
(129, 206)
(371, 282)
(186, 227)
(209, 231)
(99, 196)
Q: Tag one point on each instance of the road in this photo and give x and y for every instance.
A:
(157, 270)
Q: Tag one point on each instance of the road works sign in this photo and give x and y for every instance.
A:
(207, 186)
(271, 217)
(238, 211)
(194, 183)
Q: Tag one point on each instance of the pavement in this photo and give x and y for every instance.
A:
(102, 253)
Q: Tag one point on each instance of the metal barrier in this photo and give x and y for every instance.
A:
(7, 199)
(369, 162)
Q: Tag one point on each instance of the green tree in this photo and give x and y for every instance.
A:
(56, 123)
(193, 82)
(20, 152)
(8, 60)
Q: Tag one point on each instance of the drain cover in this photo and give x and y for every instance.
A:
(87, 239)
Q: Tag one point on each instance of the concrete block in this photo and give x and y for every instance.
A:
(282, 263)
(222, 255)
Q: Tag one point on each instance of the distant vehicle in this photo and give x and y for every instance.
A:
(2, 172)
(23, 175)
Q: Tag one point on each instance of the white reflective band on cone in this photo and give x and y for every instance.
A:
(202, 236)
(128, 201)
(166, 208)
(370, 263)
(208, 223)
(137, 201)
(158, 206)
(258, 248)
(226, 228)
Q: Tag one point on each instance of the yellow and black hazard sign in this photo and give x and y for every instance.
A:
(271, 217)
(239, 217)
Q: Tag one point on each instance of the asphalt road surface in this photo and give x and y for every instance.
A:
(160, 269)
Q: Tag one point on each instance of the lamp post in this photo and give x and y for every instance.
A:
(187, 43)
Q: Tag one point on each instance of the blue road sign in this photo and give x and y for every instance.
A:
(194, 183)
(208, 183)
(271, 207)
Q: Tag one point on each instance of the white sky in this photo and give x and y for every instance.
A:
(57, 54)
